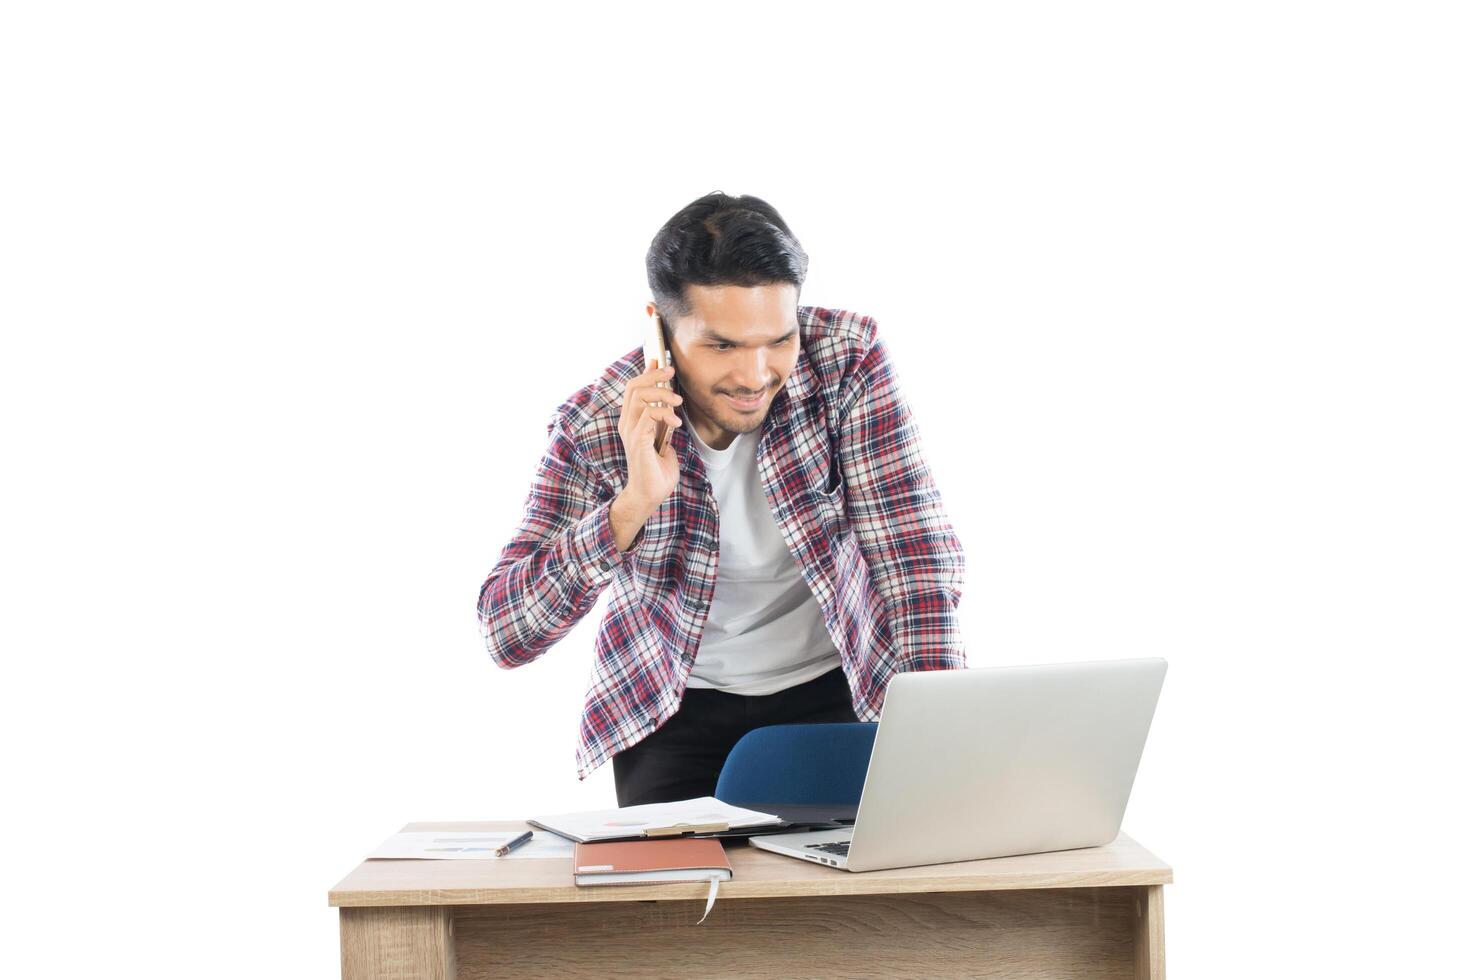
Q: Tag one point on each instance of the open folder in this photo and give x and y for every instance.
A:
(705, 816)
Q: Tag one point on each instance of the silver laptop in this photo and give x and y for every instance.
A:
(983, 763)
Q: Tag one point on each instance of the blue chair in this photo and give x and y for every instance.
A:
(798, 764)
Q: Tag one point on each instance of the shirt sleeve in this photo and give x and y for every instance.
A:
(893, 504)
(562, 555)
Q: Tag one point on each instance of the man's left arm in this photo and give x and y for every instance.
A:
(893, 504)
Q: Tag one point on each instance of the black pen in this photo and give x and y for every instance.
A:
(512, 845)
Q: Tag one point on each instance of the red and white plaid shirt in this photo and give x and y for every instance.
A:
(842, 467)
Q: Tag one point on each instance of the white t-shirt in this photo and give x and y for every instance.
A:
(764, 632)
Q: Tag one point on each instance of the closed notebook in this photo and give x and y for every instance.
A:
(642, 862)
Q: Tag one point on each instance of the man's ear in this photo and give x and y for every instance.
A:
(652, 310)
(668, 329)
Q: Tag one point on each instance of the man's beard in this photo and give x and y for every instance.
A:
(730, 420)
(742, 423)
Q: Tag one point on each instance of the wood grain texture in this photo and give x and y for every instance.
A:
(1148, 943)
(1061, 934)
(757, 874)
(397, 944)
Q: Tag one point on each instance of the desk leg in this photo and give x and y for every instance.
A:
(1148, 943)
(397, 943)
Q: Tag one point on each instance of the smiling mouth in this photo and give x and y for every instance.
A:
(744, 404)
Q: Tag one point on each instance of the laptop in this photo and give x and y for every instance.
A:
(989, 762)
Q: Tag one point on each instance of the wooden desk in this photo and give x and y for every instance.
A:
(1095, 912)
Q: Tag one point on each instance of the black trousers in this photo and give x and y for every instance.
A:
(682, 759)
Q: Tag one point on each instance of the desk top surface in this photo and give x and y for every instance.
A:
(757, 874)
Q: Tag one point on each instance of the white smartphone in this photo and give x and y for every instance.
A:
(655, 350)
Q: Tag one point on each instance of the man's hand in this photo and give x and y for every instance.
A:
(651, 476)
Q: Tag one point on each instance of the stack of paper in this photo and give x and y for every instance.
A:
(459, 845)
(705, 815)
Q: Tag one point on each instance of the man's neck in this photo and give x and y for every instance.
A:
(711, 434)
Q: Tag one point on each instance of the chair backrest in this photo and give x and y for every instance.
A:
(798, 764)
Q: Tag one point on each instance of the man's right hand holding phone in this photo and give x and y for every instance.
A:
(651, 476)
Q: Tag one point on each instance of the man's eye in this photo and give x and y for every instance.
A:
(724, 346)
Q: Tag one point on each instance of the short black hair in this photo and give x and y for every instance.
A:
(720, 240)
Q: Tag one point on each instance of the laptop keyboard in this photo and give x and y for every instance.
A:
(838, 848)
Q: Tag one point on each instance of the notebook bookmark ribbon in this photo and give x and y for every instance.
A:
(713, 891)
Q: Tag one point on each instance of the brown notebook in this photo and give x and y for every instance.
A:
(639, 862)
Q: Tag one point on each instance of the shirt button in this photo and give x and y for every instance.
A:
(701, 605)
(605, 565)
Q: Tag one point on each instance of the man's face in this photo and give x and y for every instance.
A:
(732, 354)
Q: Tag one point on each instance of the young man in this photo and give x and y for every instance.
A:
(782, 557)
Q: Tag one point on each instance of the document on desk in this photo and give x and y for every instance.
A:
(455, 845)
(704, 815)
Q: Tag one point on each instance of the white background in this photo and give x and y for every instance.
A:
(289, 290)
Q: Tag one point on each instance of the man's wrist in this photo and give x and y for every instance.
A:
(627, 515)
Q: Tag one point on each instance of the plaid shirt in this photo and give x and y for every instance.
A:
(840, 461)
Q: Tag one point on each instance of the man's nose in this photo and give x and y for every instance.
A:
(752, 371)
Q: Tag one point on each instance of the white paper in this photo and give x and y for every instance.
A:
(457, 845)
(632, 821)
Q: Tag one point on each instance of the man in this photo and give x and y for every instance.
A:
(782, 557)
